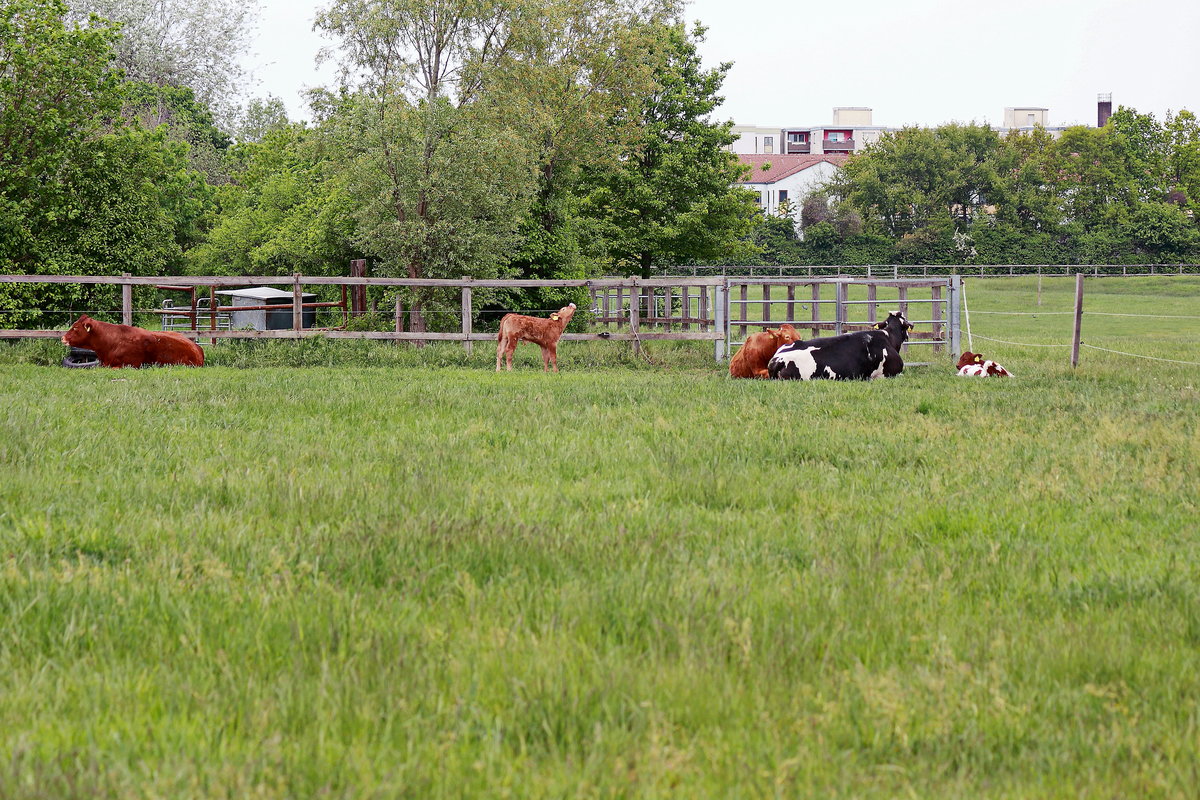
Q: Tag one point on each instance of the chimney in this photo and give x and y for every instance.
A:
(1103, 108)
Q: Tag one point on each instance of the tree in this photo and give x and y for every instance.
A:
(916, 176)
(438, 188)
(1183, 159)
(81, 191)
(284, 211)
(672, 197)
(192, 43)
(1143, 144)
(449, 127)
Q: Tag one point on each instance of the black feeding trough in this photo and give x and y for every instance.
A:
(81, 358)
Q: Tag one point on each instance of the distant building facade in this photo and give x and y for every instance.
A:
(853, 130)
(850, 131)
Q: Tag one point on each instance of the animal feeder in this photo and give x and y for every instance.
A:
(79, 358)
(255, 317)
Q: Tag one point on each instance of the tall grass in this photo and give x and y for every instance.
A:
(397, 573)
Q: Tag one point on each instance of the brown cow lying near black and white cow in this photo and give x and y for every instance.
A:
(515, 328)
(751, 360)
(127, 346)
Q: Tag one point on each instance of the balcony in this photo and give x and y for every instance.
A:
(798, 147)
(844, 146)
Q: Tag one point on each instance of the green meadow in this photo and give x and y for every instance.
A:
(359, 570)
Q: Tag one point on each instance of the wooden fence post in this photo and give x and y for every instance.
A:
(126, 301)
(1078, 319)
(685, 302)
(399, 316)
(766, 306)
(466, 315)
(635, 303)
(297, 303)
(872, 303)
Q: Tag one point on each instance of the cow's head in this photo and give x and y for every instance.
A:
(564, 314)
(786, 334)
(79, 334)
(968, 358)
(896, 326)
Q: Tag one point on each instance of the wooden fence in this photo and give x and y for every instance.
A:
(685, 308)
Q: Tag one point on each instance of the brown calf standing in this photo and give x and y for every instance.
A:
(751, 360)
(516, 328)
(127, 346)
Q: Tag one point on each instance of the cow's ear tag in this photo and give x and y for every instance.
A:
(880, 325)
(87, 328)
(554, 316)
(978, 359)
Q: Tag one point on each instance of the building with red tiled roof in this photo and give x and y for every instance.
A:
(787, 178)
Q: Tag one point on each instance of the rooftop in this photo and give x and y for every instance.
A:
(772, 168)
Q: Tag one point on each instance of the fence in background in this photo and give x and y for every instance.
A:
(897, 271)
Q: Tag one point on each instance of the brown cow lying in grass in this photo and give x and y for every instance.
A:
(127, 346)
(751, 360)
(516, 328)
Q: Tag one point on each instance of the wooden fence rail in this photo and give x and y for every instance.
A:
(629, 309)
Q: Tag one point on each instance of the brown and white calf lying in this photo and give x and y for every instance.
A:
(516, 328)
(974, 365)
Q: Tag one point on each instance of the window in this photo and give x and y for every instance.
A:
(836, 136)
(783, 195)
(1031, 122)
(768, 144)
(797, 138)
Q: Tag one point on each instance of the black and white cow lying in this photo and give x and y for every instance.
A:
(861, 355)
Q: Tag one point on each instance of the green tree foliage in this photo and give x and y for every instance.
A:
(283, 211)
(917, 175)
(81, 192)
(569, 77)
(671, 198)
(1183, 160)
(439, 188)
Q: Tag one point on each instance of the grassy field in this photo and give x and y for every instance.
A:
(337, 569)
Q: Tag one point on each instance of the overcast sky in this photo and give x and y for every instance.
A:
(913, 61)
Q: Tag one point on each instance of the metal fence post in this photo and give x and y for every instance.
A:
(721, 319)
(839, 308)
(955, 316)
